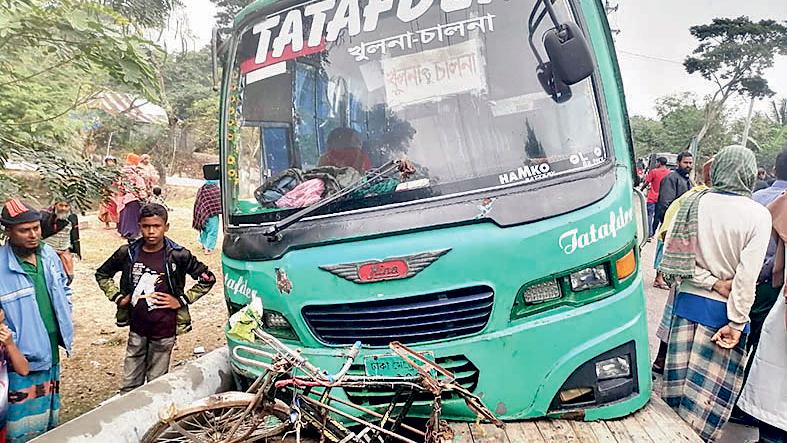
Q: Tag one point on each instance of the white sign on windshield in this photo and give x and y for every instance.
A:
(433, 74)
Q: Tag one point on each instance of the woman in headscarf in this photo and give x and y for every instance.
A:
(107, 209)
(132, 191)
(207, 207)
(714, 248)
(663, 330)
(148, 172)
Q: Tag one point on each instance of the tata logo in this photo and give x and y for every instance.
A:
(388, 269)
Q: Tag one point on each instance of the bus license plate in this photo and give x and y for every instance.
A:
(391, 365)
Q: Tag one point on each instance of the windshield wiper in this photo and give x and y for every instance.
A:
(403, 166)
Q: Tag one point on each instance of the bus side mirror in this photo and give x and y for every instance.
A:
(211, 171)
(568, 53)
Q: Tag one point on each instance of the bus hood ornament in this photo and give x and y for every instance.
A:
(394, 268)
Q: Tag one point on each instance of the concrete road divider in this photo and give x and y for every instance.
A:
(125, 419)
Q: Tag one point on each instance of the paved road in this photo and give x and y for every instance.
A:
(655, 305)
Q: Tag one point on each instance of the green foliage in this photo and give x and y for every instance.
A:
(54, 58)
(203, 123)
(145, 13)
(680, 117)
(766, 138)
(64, 176)
(75, 180)
(735, 52)
(228, 9)
(187, 79)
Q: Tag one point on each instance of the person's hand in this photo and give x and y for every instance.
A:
(723, 287)
(123, 301)
(726, 337)
(6, 337)
(163, 300)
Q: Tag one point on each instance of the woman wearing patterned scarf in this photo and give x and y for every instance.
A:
(714, 250)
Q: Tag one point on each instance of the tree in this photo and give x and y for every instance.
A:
(679, 118)
(779, 111)
(734, 53)
(648, 135)
(144, 13)
(187, 79)
(228, 9)
(54, 58)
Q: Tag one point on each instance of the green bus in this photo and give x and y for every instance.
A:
(456, 175)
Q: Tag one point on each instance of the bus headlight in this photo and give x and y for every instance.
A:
(615, 367)
(539, 293)
(277, 325)
(589, 278)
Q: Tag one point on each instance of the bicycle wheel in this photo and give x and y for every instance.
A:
(211, 419)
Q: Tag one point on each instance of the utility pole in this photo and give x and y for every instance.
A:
(745, 137)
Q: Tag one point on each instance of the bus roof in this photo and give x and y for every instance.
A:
(253, 7)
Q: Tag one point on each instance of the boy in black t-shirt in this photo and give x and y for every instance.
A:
(151, 293)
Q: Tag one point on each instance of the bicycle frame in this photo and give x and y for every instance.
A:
(314, 389)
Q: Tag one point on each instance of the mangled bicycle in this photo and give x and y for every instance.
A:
(292, 396)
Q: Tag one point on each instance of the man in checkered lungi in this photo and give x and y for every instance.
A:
(716, 256)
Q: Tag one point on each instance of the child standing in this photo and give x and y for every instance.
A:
(151, 297)
(157, 198)
(9, 353)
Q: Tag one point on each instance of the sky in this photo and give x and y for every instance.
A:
(653, 41)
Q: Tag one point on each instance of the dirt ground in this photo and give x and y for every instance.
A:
(94, 370)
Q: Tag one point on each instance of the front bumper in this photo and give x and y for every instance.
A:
(519, 370)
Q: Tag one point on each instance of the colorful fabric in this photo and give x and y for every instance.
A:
(128, 225)
(209, 233)
(44, 302)
(206, 205)
(701, 379)
(108, 211)
(303, 195)
(654, 178)
(662, 332)
(733, 172)
(33, 403)
(659, 254)
(68, 261)
(672, 211)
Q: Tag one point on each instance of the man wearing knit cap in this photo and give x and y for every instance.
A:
(37, 302)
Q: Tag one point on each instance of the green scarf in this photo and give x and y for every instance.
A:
(734, 172)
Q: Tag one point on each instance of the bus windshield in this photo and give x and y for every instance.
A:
(324, 92)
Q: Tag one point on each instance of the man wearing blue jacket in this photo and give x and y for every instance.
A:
(37, 302)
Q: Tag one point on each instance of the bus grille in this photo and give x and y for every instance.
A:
(465, 372)
(417, 319)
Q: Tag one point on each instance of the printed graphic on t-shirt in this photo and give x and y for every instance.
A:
(146, 281)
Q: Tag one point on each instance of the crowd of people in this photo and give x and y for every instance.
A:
(36, 272)
(720, 252)
(723, 332)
